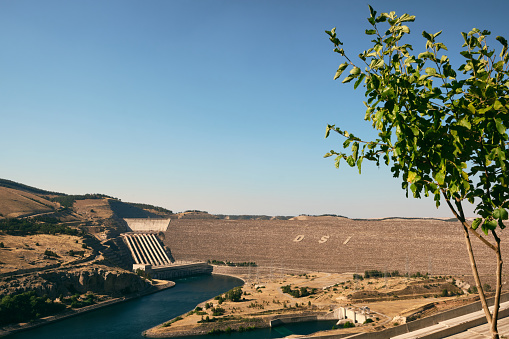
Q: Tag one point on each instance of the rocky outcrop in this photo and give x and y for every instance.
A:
(97, 279)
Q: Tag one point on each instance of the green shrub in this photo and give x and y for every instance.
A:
(168, 324)
(348, 324)
(234, 294)
(50, 253)
(218, 311)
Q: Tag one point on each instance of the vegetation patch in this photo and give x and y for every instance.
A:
(26, 307)
(298, 292)
(50, 253)
(168, 323)
(21, 227)
(232, 264)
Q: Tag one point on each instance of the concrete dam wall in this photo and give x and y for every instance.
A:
(335, 245)
(147, 225)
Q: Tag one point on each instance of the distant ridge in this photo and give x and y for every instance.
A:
(408, 218)
(26, 188)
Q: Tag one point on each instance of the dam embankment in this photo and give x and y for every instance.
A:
(331, 245)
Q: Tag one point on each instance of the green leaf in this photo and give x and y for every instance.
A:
(502, 40)
(355, 150)
(340, 70)
(500, 126)
(500, 213)
(370, 31)
(357, 83)
(425, 55)
(440, 177)
(476, 223)
(348, 79)
(359, 164)
(465, 123)
(440, 46)
(431, 71)
(327, 132)
(411, 176)
(372, 12)
(405, 18)
(336, 161)
(491, 225)
(499, 66)
(427, 36)
(465, 38)
(410, 60)
(485, 228)
(355, 71)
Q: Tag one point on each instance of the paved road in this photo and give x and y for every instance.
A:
(472, 320)
(482, 331)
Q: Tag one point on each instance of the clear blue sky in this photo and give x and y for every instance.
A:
(212, 105)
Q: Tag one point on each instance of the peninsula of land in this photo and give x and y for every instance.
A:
(379, 302)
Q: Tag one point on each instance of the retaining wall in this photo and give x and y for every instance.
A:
(432, 320)
(180, 271)
(147, 225)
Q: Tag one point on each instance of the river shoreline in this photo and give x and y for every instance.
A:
(266, 310)
(245, 324)
(14, 328)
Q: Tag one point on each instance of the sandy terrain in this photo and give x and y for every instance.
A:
(264, 300)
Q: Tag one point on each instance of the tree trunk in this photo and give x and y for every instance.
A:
(493, 328)
(482, 296)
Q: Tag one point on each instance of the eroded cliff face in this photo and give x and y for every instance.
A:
(96, 278)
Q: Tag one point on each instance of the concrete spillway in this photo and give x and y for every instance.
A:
(150, 256)
(146, 249)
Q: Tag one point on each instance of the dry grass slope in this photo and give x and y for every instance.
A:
(16, 203)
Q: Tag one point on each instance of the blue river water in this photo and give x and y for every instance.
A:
(131, 318)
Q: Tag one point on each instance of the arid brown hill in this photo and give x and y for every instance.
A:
(19, 200)
(16, 203)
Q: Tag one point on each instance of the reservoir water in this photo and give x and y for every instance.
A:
(129, 319)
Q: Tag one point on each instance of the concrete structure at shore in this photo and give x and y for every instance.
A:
(356, 315)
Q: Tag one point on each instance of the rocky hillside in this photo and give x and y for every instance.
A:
(19, 200)
(95, 278)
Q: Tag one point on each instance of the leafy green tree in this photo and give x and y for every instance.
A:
(442, 131)
(234, 294)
